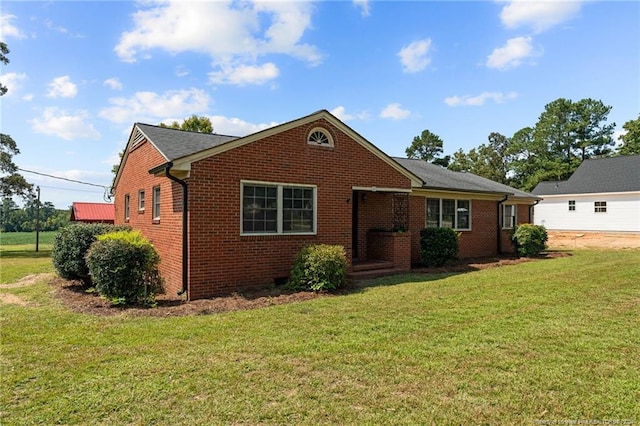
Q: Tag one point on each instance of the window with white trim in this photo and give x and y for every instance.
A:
(269, 208)
(448, 213)
(126, 207)
(156, 203)
(141, 200)
(319, 136)
(600, 206)
(572, 205)
(509, 215)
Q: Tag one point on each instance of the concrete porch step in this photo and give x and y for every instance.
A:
(370, 265)
(373, 273)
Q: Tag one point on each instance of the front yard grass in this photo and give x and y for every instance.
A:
(553, 341)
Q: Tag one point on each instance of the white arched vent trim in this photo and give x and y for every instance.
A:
(319, 136)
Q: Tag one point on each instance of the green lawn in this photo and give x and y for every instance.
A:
(554, 341)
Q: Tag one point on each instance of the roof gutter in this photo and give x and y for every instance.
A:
(185, 225)
(499, 232)
(531, 210)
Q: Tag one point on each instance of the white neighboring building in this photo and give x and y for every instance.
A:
(601, 195)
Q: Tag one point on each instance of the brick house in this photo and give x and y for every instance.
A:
(228, 213)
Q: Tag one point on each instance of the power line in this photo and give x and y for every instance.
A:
(69, 189)
(63, 178)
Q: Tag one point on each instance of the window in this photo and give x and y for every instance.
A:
(447, 213)
(509, 212)
(156, 203)
(572, 205)
(126, 207)
(319, 136)
(278, 209)
(141, 200)
(600, 206)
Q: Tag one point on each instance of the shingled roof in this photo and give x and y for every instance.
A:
(438, 177)
(174, 143)
(601, 175)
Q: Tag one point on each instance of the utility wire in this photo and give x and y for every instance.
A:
(106, 196)
(63, 178)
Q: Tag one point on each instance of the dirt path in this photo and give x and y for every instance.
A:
(582, 239)
(12, 299)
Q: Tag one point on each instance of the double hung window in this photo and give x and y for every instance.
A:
(509, 214)
(448, 213)
(278, 209)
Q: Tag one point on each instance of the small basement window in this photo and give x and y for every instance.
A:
(319, 136)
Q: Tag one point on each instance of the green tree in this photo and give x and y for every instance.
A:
(427, 146)
(491, 161)
(631, 139)
(11, 182)
(460, 161)
(192, 124)
(4, 51)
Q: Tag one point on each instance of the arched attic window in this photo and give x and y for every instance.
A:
(320, 137)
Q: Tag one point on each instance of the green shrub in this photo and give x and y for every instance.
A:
(529, 240)
(319, 267)
(438, 246)
(71, 245)
(124, 267)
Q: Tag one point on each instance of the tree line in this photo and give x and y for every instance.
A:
(566, 133)
(16, 219)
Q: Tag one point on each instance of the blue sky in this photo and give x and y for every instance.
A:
(81, 73)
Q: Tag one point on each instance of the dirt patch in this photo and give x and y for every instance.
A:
(75, 296)
(29, 280)
(583, 239)
(11, 299)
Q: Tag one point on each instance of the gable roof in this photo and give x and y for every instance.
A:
(174, 143)
(193, 146)
(601, 175)
(441, 178)
(92, 212)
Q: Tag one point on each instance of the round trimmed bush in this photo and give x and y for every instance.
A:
(71, 245)
(319, 267)
(529, 240)
(438, 246)
(123, 267)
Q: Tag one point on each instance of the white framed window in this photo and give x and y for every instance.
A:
(509, 215)
(274, 208)
(156, 203)
(572, 205)
(319, 136)
(600, 206)
(127, 203)
(141, 200)
(448, 213)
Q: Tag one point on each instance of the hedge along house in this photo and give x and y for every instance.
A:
(228, 213)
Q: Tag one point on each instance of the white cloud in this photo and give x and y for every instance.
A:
(62, 87)
(363, 5)
(236, 127)
(232, 33)
(341, 113)
(150, 106)
(415, 56)
(13, 82)
(394, 111)
(512, 53)
(7, 29)
(113, 83)
(242, 75)
(62, 124)
(539, 15)
(497, 97)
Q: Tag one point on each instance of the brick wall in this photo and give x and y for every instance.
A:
(221, 260)
(165, 234)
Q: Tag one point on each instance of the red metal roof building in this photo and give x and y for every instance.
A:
(92, 213)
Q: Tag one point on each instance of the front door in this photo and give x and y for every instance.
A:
(354, 225)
